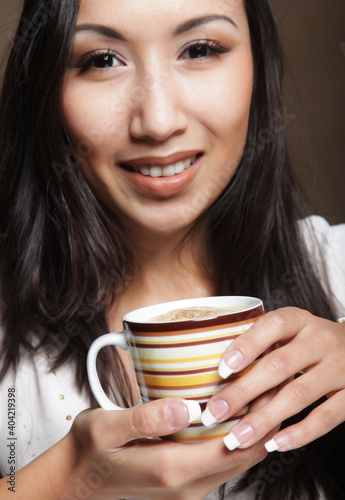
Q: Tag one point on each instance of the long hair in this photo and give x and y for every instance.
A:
(63, 259)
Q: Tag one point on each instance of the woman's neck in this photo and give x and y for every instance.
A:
(171, 268)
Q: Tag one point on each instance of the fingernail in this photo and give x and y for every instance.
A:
(239, 436)
(280, 441)
(231, 442)
(180, 415)
(230, 363)
(214, 412)
(194, 410)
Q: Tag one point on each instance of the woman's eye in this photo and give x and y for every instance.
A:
(104, 61)
(198, 51)
(202, 50)
(98, 60)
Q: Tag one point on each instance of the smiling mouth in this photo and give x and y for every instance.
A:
(163, 171)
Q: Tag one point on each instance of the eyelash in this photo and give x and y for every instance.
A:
(85, 62)
(214, 47)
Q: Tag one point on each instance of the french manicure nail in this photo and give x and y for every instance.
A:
(223, 370)
(194, 410)
(181, 414)
(208, 419)
(230, 363)
(214, 412)
(231, 442)
(244, 432)
(278, 442)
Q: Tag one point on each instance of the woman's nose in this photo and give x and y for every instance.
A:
(157, 111)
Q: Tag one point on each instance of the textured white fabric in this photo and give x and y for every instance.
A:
(326, 245)
(47, 403)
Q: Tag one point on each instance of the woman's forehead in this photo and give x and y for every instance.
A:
(150, 12)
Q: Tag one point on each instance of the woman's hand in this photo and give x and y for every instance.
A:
(302, 343)
(116, 460)
(107, 455)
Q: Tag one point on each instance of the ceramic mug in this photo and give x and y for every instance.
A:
(179, 358)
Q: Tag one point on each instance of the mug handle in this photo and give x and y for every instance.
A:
(117, 340)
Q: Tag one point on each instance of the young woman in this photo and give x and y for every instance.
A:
(143, 160)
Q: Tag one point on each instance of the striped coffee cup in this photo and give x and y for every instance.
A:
(179, 358)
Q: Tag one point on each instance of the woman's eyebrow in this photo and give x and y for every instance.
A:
(186, 26)
(102, 29)
(198, 21)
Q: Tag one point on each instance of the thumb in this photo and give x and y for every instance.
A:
(157, 418)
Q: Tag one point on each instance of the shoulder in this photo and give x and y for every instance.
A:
(325, 244)
(322, 232)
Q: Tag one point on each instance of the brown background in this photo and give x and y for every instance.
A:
(314, 41)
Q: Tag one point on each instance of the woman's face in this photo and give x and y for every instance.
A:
(156, 104)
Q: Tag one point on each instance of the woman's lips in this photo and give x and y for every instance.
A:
(163, 180)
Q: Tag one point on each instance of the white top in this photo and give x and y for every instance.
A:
(47, 403)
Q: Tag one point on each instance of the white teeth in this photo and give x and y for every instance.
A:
(169, 170)
(155, 172)
(145, 171)
(179, 167)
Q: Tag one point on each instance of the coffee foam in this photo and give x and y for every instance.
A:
(190, 313)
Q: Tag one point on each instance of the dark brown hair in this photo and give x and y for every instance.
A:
(63, 259)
